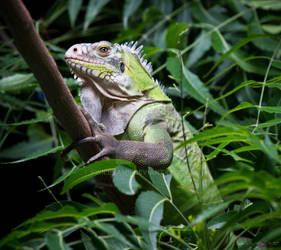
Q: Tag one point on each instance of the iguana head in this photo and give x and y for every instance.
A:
(118, 71)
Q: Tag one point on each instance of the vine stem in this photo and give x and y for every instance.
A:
(264, 83)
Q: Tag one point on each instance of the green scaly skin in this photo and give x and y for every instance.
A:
(119, 95)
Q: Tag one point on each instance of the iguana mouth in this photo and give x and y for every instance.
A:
(101, 76)
(82, 68)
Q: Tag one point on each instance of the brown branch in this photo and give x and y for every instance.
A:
(44, 68)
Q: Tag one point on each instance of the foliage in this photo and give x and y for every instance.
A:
(220, 63)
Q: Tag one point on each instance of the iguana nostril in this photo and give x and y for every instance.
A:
(75, 49)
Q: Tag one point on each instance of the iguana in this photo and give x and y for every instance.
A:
(133, 118)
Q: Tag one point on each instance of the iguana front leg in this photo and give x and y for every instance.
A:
(155, 151)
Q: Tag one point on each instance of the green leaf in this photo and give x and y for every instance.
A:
(270, 109)
(149, 205)
(264, 4)
(39, 144)
(236, 55)
(74, 7)
(224, 133)
(232, 153)
(161, 182)
(203, 15)
(136, 220)
(35, 155)
(12, 239)
(151, 14)
(27, 149)
(130, 7)
(93, 9)
(199, 49)
(94, 242)
(149, 51)
(266, 146)
(269, 123)
(272, 29)
(113, 232)
(46, 117)
(124, 179)
(94, 199)
(92, 170)
(227, 54)
(173, 34)
(17, 102)
(210, 212)
(219, 220)
(272, 234)
(54, 241)
(17, 83)
(267, 43)
(193, 85)
(70, 210)
(243, 105)
(55, 11)
(61, 178)
(260, 220)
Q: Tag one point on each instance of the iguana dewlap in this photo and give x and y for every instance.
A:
(119, 92)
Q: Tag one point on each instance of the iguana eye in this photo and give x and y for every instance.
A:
(103, 51)
(122, 67)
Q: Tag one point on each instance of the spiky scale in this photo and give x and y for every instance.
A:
(139, 48)
(134, 45)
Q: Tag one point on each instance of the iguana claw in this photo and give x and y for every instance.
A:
(108, 144)
(106, 141)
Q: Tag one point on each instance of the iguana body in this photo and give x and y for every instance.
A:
(141, 124)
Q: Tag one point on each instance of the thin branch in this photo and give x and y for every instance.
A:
(59, 97)
(44, 68)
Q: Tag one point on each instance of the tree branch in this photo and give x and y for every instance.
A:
(59, 97)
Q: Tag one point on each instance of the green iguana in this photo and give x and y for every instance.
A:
(136, 120)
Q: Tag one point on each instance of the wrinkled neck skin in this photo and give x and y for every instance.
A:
(113, 112)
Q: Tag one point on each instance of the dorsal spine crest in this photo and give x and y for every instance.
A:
(132, 47)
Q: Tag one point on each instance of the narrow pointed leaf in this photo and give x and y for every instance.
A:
(93, 8)
(113, 231)
(209, 212)
(73, 10)
(129, 9)
(270, 109)
(243, 105)
(17, 82)
(198, 51)
(94, 242)
(92, 170)
(193, 85)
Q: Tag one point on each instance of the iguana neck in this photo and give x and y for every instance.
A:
(157, 94)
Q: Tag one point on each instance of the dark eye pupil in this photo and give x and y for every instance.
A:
(103, 49)
(122, 67)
